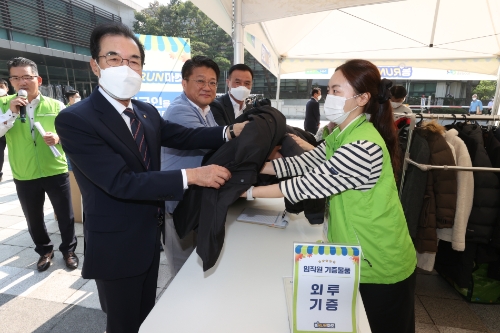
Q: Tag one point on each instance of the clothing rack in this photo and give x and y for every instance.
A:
(460, 117)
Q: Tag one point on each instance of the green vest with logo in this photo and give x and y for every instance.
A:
(31, 158)
(374, 219)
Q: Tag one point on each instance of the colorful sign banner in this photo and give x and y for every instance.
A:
(317, 71)
(395, 72)
(161, 75)
(325, 287)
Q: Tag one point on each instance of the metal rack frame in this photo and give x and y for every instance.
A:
(425, 167)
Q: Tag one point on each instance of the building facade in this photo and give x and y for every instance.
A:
(55, 35)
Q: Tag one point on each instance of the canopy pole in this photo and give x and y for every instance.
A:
(495, 110)
(239, 48)
(278, 106)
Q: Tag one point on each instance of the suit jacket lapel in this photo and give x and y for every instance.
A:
(113, 120)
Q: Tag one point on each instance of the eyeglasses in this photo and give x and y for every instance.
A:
(24, 78)
(203, 83)
(114, 60)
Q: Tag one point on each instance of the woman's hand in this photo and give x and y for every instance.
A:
(302, 143)
(269, 191)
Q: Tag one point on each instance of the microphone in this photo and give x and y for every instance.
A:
(22, 109)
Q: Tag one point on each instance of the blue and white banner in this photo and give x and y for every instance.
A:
(161, 75)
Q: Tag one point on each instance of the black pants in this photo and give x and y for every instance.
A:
(128, 301)
(3, 144)
(390, 308)
(31, 194)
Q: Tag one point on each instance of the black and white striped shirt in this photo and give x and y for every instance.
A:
(356, 165)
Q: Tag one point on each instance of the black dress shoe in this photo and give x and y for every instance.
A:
(44, 261)
(71, 260)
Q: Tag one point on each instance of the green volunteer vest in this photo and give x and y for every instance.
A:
(373, 219)
(32, 159)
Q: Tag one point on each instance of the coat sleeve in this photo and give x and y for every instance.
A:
(105, 168)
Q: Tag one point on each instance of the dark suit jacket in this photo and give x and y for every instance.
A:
(223, 111)
(311, 123)
(121, 199)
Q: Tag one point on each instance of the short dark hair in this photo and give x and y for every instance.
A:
(70, 93)
(112, 29)
(199, 61)
(22, 62)
(315, 90)
(239, 67)
(2, 81)
(398, 92)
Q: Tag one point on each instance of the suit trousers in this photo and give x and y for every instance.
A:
(31, 194)
(128, 301)
(177, 250)
(390, 308)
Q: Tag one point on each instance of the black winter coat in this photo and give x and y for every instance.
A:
(206, 208)
(483, 216)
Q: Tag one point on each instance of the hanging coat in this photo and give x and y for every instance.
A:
(440, 198)
(206, 208)
(483, 216)
(415, 181)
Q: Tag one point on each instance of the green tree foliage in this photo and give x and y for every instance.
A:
(184, 19)
(485, 90)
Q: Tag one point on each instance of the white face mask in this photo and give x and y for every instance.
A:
(3, 92)
(474, 98)
(121, 83)
(319, 97)
(240, 93)
(77, 99)
(396, 105)
(334, 108)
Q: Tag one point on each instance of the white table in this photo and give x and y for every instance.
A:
(244, 291)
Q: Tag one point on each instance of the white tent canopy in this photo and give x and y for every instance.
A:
(464, 34)
(289, 36)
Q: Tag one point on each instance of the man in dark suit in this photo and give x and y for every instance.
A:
(228, 107)
(114, 144)
(311, 123)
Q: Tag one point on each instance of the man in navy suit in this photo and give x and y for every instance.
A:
(114, 144)
(311, 122)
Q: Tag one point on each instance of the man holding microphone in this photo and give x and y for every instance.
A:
(35, 169)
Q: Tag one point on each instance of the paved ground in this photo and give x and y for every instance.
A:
(60, 300)
(57, 300)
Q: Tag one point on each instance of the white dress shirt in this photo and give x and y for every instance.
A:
(120, 108)
(236, 107)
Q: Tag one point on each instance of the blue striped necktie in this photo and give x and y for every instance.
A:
(138, 134)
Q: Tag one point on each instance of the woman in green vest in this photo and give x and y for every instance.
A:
(355, 169)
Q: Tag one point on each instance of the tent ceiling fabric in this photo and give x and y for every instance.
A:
(465, 35)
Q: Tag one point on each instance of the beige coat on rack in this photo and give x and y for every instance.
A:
(465, 194)
(465, 197)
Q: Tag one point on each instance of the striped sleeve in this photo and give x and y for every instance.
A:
(357, 165)
(301, 164)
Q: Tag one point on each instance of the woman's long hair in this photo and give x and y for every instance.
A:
(364, 77)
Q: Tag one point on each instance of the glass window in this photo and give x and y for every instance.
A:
(20, 13)
(57, 75)
(3, 33)
(54, 44)
(82, 50)
(27, 39)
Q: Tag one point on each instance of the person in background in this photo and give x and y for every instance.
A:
(190, 109)
(4, 89)
(354, 168)
(35, 169)
(230, 106)
(397, 99)
(72, 96)
(490, 103)
(311, 122)
(476, 106)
